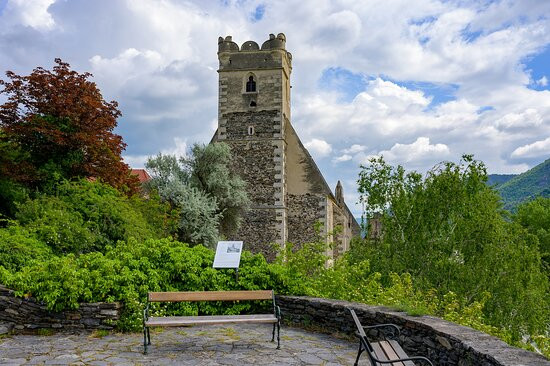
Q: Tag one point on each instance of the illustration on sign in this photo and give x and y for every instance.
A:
(228, 254)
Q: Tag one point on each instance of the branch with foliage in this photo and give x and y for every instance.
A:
(209, 197)
(61, 127)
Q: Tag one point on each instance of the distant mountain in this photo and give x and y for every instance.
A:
(498, 179)
(519, 188)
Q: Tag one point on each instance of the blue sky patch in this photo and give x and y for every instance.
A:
(3, 4)
(485, 108)
(470, 36)
(343, 81)
(424, 20)
(539, 68)
(258, 13)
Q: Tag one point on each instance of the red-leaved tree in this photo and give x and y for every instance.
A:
(63, 128)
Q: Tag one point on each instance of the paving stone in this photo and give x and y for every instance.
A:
(14, 361)
(195, 346)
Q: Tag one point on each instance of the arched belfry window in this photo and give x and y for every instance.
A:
(250, 84)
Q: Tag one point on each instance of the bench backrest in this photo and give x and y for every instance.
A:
(363, 337)
(210, 296)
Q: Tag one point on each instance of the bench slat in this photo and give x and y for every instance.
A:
(400, 352)
(378, 352)
(178, 321)
(388, 349)
(210, 296)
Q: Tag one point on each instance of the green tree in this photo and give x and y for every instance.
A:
(447, 230)
(62, 125)
(209, 170)
(535, 217)
(197, 211)
(209, 197)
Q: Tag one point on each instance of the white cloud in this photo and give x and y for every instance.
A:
(341, 159)
(543, 81)
(527, 118)
(319, 148)
(354, 149)
(135, 161)
(416, 153)
(179, 149)
(31, 13)
(536, 149)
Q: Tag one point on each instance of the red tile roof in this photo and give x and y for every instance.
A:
(142, 175)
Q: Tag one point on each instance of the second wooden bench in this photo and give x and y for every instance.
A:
(179, 321)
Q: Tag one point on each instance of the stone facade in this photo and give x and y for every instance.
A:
(28, 313)
(288, 192)
(443, 342)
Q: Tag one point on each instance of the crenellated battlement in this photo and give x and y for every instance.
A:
(272, 54)
(273, 43)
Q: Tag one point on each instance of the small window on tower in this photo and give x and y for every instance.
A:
(252, 103)
(251, 130)
(250, 84)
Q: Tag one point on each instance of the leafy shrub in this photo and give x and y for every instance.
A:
(128, 270)
(56, 224)
(18, 247)
(83, 216)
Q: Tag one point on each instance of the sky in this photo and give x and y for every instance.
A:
(418, 82)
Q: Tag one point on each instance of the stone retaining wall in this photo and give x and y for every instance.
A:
(29, 313)
(443, 342)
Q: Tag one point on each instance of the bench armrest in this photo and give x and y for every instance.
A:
(146, 313)
(277, 312)
(395, 327)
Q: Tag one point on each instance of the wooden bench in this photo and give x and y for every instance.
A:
(178, 321)
(386, 352)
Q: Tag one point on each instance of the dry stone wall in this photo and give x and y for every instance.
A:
(28, 313)
(443, 342)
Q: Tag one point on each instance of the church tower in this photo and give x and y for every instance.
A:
(289, 196)
(254, 104)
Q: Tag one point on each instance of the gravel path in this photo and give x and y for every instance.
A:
(200, 345)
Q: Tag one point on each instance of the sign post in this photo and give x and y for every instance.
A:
(228, 255)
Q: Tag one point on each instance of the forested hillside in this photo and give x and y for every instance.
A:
(499, 179)
(526, 186)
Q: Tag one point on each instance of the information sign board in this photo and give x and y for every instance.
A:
(228, 254)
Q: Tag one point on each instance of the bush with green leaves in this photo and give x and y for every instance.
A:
(128, 270)
(83, 216)
(18, 247)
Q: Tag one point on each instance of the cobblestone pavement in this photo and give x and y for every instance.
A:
(247, 344)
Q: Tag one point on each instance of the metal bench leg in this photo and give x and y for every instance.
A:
(278, 334)
(358, 354)
(144, 340)
(273, 336)
(148, 335)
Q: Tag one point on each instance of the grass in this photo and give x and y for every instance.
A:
(45, 332)
(230, 333)
(100, 333)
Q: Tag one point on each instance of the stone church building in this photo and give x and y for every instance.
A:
(289, 195)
